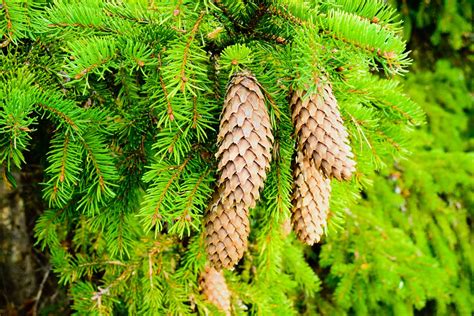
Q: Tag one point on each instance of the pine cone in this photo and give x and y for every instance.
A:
(310, 200)
(321, 132)
(245, 139)
(215, 289)
(286, 227)
(227, 230)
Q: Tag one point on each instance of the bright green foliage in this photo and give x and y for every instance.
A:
(130, 93)
(407, 245)
(14, 120)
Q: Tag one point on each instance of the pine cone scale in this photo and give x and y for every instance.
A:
(310, 201)
(321, 132)
(215, 290)
(227, 232)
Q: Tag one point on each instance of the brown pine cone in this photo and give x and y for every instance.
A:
(321, 132)
(227, 230)
(286, 228)
(245, 139)
(310, 200)
(215, 289)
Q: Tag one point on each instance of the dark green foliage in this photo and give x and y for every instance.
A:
(130, 93)
(448, 22)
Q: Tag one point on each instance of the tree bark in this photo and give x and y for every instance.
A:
(17, 274)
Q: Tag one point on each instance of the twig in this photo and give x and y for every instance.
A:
(106, 291)
(40, 291)
(5, 43)
(150, 268)
(191, 36)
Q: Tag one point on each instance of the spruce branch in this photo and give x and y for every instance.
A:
(383, 45)
(363, 135)
(181, 80)
(8, 19)
(183, 74)
(59, 114)
(297, 12)
(15, 23)
(164, 176)
(233, 10)
(100, 174)
(83, 17)
(386, 95)
(91, 55)
(64, 112)
(165, 92)
(64, 169)
(194, 192)
(173, 142)
(375, 11)
(46, 229)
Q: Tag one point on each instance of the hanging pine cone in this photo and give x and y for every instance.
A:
(310, 200)
(245, 139)
(321, 132)
(286, 227)
(215, 289)
(227, 230)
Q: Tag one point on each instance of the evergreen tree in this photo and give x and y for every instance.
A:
(129, 94)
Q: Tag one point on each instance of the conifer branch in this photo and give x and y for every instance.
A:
(97, 296)
(283, 12)
(178, 171)
(358, 124)
(377, 12)
(195, 112)
(88, 69)
(45, 229)
(192, 194)
(8, 18)
(190, 39)
(165, 92)
(99, 263)
(64, 169)
(390, 140)
(372, 38)
(93, 159)
(222, 7)
(59, 114)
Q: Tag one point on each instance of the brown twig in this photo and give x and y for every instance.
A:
(40, 291)
(5, 43)
(187, 48)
